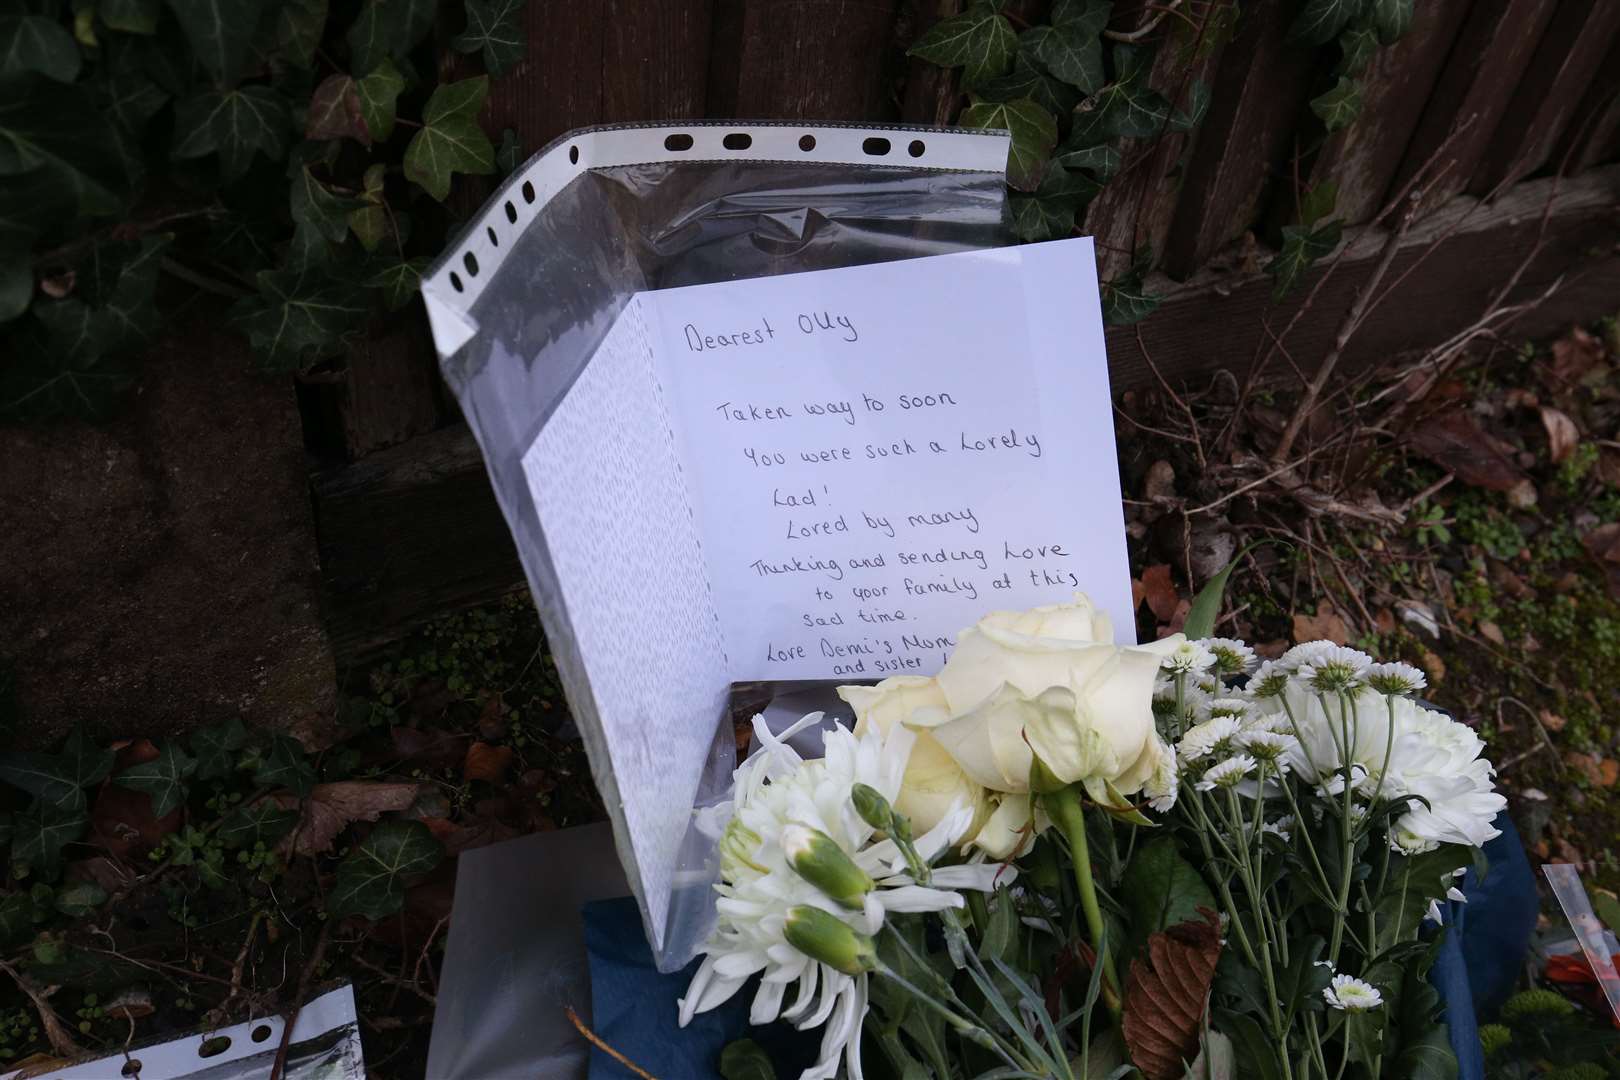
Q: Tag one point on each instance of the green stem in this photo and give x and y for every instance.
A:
(1064, 806)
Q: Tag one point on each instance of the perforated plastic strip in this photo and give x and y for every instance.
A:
(454, 282)
(1566, 886)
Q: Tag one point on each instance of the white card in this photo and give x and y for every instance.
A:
(823, 475)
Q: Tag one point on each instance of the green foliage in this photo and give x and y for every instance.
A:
(285, 766)
(371, 880)
(1161, 889)
(1338, 107)
(980, 41)
(301, 152)
(1033, 131)
(745, 1059)
(163, 778)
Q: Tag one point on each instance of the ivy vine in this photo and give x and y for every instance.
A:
(285, 159)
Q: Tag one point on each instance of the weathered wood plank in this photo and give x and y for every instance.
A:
(802, 60)
(655, 60)
(1593, 135)
(1491, 53)
(1559, 75)
(1258, 96)
(1362, 159)
(930, 96)
(390, 392)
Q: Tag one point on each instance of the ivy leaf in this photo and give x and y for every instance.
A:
(369, 222)
(299, 314)
(1391, 18)
(1125, 108)
(30, 203)
(17, 912)
(16, 280)
(1318, 202)
(314, 206)
(127, 314)
(130, 16)
(493, 27)
(1034, 133)
(450, 140)
(1357, 46)
(83, 762)
(132, 98)
(58, 128)
(30, 43)
(1198, 98)
(1125, 299)
(286, 767)
(163, 778)
(1321, 20)
(335, 112)
(1087, 17)
(261, 822)
(44, 776)
(1049, 213)
(78, 899)
(1026, 80)
(398, 281)
(509, 154)
(216, 748)
(1069, 52)
(40, 833)
(371, 880)
(388, 28)
(221, 34)
(58, 373)
(1302, 246)
(299, 24)
(979, 41)
(236, 124)
(1103, 160)
(1340, 105)
(377, 93)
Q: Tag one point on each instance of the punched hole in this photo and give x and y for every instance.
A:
(737, 140)
(916, 148)
(455, 282)
(807, 143)
(470, 261)
(511, 212)
(573, 155)
(528, 192)
(494, 241)
(678, 142)
(214, 1047)
(875, 146)
(260, 1033)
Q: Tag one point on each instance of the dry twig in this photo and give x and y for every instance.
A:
(596, 1041)
(56, 1033)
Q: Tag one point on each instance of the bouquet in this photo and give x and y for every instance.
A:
(1064, 858)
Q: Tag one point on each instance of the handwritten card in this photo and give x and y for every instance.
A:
(823, 476)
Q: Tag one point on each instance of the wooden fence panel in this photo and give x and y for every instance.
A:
(1593, 136)
(1559, 75)
(802, 60)
(930, 96)
(1495, 45)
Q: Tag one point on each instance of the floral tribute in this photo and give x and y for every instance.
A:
(1067, 858)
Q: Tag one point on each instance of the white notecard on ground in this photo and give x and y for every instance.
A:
(822, 475)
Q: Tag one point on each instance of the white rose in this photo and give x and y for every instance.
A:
(1011, 830)
(933, 783)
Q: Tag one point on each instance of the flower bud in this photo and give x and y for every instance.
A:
(818, 859)
(826, 938)
(873, 807)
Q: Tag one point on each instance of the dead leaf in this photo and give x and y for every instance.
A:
(1491, 632)
(1552, 721)
(58, 286)
(1603, 544)
(1598, 770)
(1454, 440)
(1160, 482)
(1432, 665)
(486, 762)
(1573, 355)
(121, 819)
(131, 1005)
(1325, 625)
(1271, 650)
(492, 717)
(1167, 993)
(316, 731)
(1159, 592)
(439, 748)
(1384, 621)
(331, 808)
(1562, 434)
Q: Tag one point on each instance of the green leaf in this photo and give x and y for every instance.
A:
(1102, 160)
(1253, 1046)
(1049, 213)
(83, 762)
(1357, 46)
(236, 124)
(56, 375)
(371, 880)
(130, 16)
(1391, 18)
(45, 776)
(299, 314)
(315, 206)
(1302, 246)
(40, 833)
(1125, 108)
(31, 203)
(78, 899)
(58, 128)
(398, 281)
(1321, 20)
(216, 748)
(388, 28)
(1206, 606)
(1161, 889)
(335, 112)
(509, 154)
(370, 222)
(1425, 1051)
(1125, 299)
(163, 778)
(132, 98)
(285, 766)
(1318, 202)
(1198, 98)
(377, 93)
(495, 28)
(979, 41)
(1027, 80)
(17, 911)
(16, 280)
(1069, 53)
(1340, 105)
(299, 24)
(1089, 17)
(221, 34)
(126, 277)
(450, 140)
(261, 822)
(745, 1059)
(1034, 133)
(33, 43)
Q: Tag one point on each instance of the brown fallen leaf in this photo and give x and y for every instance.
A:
(1159, 592)
(438, 748)
(121, 818)
(1552, 721)
(1491, 632)
(1573, 355)
(1166, 996)
(1598, 770)
(331, 808)
(1432, 665)
(1603, 544)
(1160, 482)
(1454, 440)
(1384, 621)
(486, 762)
(1325, 625)
(1562, 434)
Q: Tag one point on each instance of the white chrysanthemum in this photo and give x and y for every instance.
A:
(1232, 657)
(1352, 995)
(1209, 737)
(1407, 842)
(1394, 678)
(1164, 785)
(1235, 707)
(780, 795)
(1268, 746)
(1188, 658)
(1332, 786)
(1283, 827)
(1334, 670)
(1304, 653)
(1228, 773)
(1269, 680)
